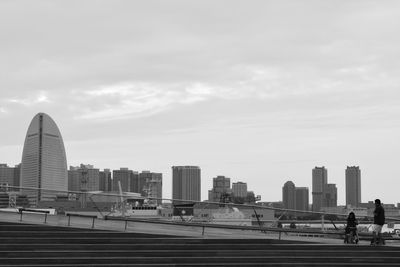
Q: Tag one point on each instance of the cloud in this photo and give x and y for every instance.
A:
(34, 99)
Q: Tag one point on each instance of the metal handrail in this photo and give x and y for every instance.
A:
(21, 210)
(80, 215)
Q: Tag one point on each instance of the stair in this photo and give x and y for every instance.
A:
(42, 245)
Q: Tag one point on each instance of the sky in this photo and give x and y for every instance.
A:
(258, 91)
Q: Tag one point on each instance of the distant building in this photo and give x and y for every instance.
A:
(288, 195)
(83, 178)
(239, 189)
(353, 186)
(302, 200)
(127, 178)
(150, 185)
(330, 196)
(186, 183)
(221, 185)
(105, 181)
(44, 162)
(295, 198)
(319, 180)
(9, 176)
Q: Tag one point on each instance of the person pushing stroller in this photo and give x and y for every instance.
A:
(351, 229)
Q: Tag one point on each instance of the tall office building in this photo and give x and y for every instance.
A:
(319, 180)
(127, 178)
(288, 195)
(44, 162)
(353, 186)
(9, 176)
(302, 201)
(150, 185)
(239, 189)
(186, 183)
(83, 178)
(105, 182)
(144, 176)
(330, 196)
(221, 185)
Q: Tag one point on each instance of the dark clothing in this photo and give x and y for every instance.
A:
(351, 223)
(379, 215)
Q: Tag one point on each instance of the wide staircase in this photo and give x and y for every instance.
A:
(42, 245)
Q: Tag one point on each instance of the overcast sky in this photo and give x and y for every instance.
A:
(258, 91)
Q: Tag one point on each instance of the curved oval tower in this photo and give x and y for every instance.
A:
(44, 163)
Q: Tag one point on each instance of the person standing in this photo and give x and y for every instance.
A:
(379, 221)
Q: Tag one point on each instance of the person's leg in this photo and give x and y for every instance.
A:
(374, 235)
(380, 238)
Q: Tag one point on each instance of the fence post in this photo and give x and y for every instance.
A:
(69, 220)
(93, 223)
(323, 222)
(203, 230)
(45, 218)
(126, 224)
(20, 218)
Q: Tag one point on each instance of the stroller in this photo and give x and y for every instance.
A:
(351, 236)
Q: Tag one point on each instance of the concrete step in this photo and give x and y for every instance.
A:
(192, 259)
(297, 264)
(119, 245)
(42, 245)
(54, 253)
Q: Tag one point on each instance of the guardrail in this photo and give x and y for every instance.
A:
(314, 232)
(80, 215)
(21, 210)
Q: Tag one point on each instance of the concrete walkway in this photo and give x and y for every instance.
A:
(163, 229)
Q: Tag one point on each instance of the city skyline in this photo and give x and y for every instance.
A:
(259, 92)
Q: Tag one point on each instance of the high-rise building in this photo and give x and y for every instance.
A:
(221, 185)
(319, 180)
(239, 189)
(353, 186)
(330, 196)
(186, 183)
(127, 178)
(9, 176)
(302, 201)
(105, 182)
(288, 195)
(135, 182)
(83, 178)
(150, 185)
(44, 162)
(144, 176)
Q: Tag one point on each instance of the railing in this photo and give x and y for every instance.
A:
(117, 207)
(45, 212)
(93, 217)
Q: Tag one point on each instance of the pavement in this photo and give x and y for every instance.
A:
(165, 229)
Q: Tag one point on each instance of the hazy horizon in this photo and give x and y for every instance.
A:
(260, 91)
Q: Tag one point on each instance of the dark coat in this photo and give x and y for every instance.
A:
(379, 215)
